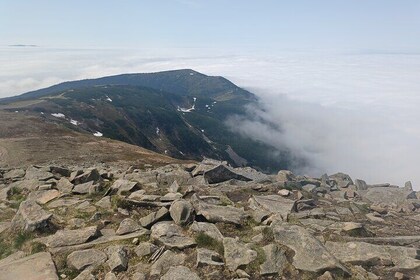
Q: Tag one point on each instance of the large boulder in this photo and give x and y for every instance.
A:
(71, 237)
(182, 212)
(117, 258)
(31, 217)
(272, 204)
(206, 257)
(310, 254)
(216, 213)
(362, 253)
(90, 175)
(80, 260)
(122, 186)
(39, 266)
(127, 225)
(237, 254)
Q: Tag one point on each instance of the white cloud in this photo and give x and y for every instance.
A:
(355, 113)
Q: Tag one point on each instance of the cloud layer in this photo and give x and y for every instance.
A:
(350, 112)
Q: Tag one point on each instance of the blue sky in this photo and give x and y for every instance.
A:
(250, 25)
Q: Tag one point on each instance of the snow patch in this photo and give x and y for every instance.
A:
(157, 130)
(108, 99)
(185, 110)
(74, 122)
(97, 134)
(58, 115)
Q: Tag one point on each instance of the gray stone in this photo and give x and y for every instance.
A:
(222, 173)
(85, 275)
(180, 273)
(122, 186)
(85, 188)
(112, 276)
(80, 260)
(38, 174)
(174, 187)
(215, 213)
(310, 254)
(14, 174)
(274, 204)
(39, 266)
(44, 196)
(237, 254)
(363, 253)
(145, 249)
(117, 258)
(91, 175)
(30, 217)
(154, 217)
(275, 260)
(207, 257)
(167, 260)
(285, 175)
(169, 197)
(208, 229)
(127, 225)
(182, 212)
(64, 185)
(360, 185)
(104, 202)
(309, 187)
(71, 237)
(171, 235)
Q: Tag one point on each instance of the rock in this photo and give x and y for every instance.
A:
(272, 204)
(154, 217)
(208, 229)
(85, 275)
(80, 260)
(88, 176)
(222, 173)
(42, 197)
(182, 212)
(284, 192)
(39, 266)
(400, 276)
(104, 202)
(123, 187)
(64, 202)
(371, 217)
(237, 254)
(174, 188)
(360, 185)
(285, 175)
(207, 257)
(167, 260)
(171, 235)
(30, 217)
(14, 174)
(180, 273)
(71, 237)
(117, 258)
(112, 276)
(326, 276)
(62, 171)
(38, 174)
(362, 253)
(169, 197)
(343, 180)
(85, 188)
(309, 187)
(225, 214)
(386, 196)
(145, 249)
(275, 260)
(64, 185)
(310, 254)
(127, 225)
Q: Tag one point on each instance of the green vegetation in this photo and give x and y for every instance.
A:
(21, 238)
(205, 241)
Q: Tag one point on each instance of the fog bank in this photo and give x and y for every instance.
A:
(354, 112)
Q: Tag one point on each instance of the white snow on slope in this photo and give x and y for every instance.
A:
(97, 134)
(58, 115)
(74, 122)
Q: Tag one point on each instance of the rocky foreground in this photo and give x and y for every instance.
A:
(203, 221)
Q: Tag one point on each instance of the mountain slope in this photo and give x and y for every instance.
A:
(179, 113)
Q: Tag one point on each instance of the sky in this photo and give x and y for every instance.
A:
(339, 77)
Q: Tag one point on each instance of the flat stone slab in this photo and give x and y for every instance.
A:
(216, 213)
(273, 204)
(180, 273)
(363, 253)
(71, 237)
(30, 217)
(171, 235)
(34, 267)
(310, 254)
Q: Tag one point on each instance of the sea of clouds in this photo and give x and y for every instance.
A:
(354, 112)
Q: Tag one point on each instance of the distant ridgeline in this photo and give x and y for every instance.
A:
(180, 113)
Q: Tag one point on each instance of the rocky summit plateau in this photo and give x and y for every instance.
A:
(202, 220)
